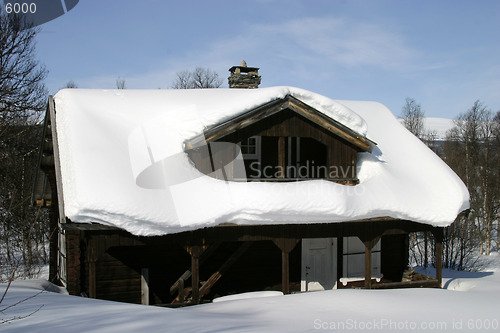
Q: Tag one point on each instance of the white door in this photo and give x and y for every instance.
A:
(319, 264)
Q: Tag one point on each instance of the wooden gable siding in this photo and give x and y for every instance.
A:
(287, 123)
(291, 103)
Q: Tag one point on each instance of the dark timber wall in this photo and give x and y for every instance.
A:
(119, 258)
(339, 153)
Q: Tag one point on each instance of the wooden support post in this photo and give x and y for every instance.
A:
(286, 246)
(368, 267)
(187, 274)
(340, 259)
(281, 156)
(285, 274)
(438, 236)
(195, 278)
(145, 286)
(369, 242)
(195, 251)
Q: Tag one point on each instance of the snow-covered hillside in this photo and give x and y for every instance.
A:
(468, 302)
(439, 126)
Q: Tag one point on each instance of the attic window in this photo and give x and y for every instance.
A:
(250, 148)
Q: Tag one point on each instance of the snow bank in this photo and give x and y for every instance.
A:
(108, 138)
(347, 310)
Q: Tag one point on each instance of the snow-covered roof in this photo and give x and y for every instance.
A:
(107, 138)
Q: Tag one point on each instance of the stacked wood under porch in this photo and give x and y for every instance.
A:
(112, 264)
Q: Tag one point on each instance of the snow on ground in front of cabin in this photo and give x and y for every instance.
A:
(469, 302)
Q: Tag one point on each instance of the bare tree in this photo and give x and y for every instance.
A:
(200, 78)
(120, 84)
(472, 151)
(183, 80)
(413, 117)
(21, 76)
(71, 85)
(22, 99)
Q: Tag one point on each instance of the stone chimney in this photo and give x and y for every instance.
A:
(243, 76)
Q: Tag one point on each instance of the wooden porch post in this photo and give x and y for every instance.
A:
(195, 278)
(340, 259)
(195, 251)
(369, 244)
(286, 246)
(368, 267)
(438, 236)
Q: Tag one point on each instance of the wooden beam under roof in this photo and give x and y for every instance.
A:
(291, 103)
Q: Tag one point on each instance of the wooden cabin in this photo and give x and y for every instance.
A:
(114, 244)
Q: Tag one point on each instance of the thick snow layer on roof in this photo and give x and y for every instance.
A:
(109, 139)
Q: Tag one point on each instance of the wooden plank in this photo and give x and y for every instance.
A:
(225, 266)
(407, 284)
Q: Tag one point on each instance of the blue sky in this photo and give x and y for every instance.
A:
(445, 54)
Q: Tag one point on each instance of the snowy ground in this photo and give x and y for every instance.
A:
(468, 302)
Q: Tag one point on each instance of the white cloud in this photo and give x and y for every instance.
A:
(323, 40)
(306, 46)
